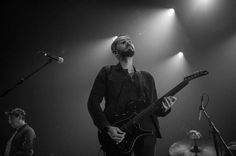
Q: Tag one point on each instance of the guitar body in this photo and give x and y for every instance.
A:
(133, 132)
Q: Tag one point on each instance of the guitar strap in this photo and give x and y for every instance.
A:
(142, 95)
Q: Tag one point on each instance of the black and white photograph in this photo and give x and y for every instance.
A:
(118, 78)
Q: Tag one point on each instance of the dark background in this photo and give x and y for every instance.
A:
(80, 31)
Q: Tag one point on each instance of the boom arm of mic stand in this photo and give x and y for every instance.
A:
(24, 78)
(216, 133)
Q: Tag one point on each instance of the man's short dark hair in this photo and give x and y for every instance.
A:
(17, 112)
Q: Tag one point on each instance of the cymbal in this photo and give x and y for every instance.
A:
(187, 148)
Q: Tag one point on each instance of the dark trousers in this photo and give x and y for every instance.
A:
(144, 146)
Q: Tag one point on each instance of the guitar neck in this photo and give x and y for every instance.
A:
(175, 90)
(157, 104)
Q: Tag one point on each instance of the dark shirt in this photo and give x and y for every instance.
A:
(23, 141)
(118, 88)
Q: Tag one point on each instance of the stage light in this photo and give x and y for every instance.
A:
(171, 11)
(180, 54)
(114, 38)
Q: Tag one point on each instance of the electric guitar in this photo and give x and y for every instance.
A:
(129, 122)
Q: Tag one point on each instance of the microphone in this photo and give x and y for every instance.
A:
(59, 60)
(200, 109)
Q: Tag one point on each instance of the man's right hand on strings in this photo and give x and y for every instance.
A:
(116, 134)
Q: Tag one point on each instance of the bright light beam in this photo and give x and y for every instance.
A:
(158, 29)
(171, 11)
(177, 63)
(180, 54)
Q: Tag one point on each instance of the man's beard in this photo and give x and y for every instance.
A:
(128, 53)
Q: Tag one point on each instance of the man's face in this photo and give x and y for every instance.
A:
(125, 47)
(14, 121)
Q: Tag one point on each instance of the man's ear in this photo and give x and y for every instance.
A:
(20, 117)
(116, 54)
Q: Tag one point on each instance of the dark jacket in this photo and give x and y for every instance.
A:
(115, 85)
(22, 143)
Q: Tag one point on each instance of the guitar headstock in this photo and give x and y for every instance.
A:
(195, 75)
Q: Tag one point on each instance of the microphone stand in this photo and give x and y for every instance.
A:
(25, 78)
(215, 132)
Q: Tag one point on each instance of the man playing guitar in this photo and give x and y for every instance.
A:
(126, 91)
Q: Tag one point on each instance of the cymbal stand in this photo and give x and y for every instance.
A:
(215, 132)
(195, 148)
